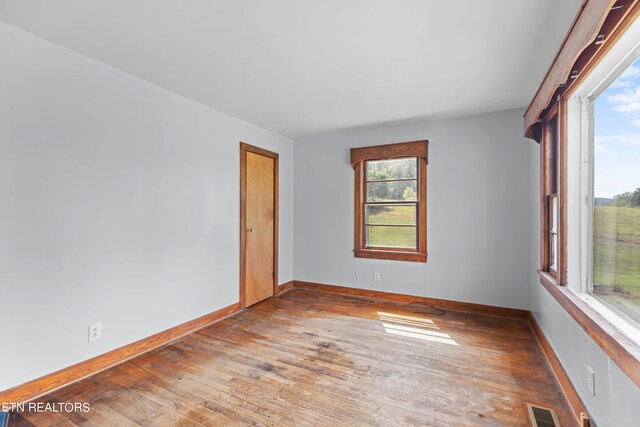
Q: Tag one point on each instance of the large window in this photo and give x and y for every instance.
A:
(615, 234)
(390, 204)
(586, 115)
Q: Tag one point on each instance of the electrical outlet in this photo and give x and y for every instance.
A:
(95, 332)
(376, 277)
(591, 380)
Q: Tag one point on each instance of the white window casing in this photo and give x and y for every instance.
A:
(580, 173)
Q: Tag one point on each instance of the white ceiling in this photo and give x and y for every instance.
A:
(304, 66)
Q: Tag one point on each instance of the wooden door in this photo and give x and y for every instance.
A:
(260, 229)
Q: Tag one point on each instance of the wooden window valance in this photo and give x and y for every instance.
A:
(390, 151)
(595, 29)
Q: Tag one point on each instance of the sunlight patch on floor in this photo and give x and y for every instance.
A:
(413, 327)
(395, 316)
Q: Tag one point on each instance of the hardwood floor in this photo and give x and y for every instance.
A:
(311, 358)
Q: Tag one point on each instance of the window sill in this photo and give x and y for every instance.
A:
(391, 255)
(624, 351)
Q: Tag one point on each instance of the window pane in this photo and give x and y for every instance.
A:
(554, 252)
(553, 231)
(392, 169)
(616, 240)
(553, 160)
(394, 191)
(398, 237)
(391, 214)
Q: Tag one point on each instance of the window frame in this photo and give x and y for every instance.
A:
(582, 101)
(359, 158)
(552, 155)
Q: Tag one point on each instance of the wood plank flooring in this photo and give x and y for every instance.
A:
(317, 359)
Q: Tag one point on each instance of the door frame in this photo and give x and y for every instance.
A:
(244, 149)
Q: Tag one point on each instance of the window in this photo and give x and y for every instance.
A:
(586, 115)
(603, 196)
(615, 194)
(390, 202)
(550, 201)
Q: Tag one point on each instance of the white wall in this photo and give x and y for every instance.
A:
(617, 399)
(119, 203)
(478, 211)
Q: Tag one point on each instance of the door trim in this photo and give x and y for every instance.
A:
(244, 149)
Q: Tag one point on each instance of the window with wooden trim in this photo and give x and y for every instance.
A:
(585, 116)
(391, 201)
(550, 203)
